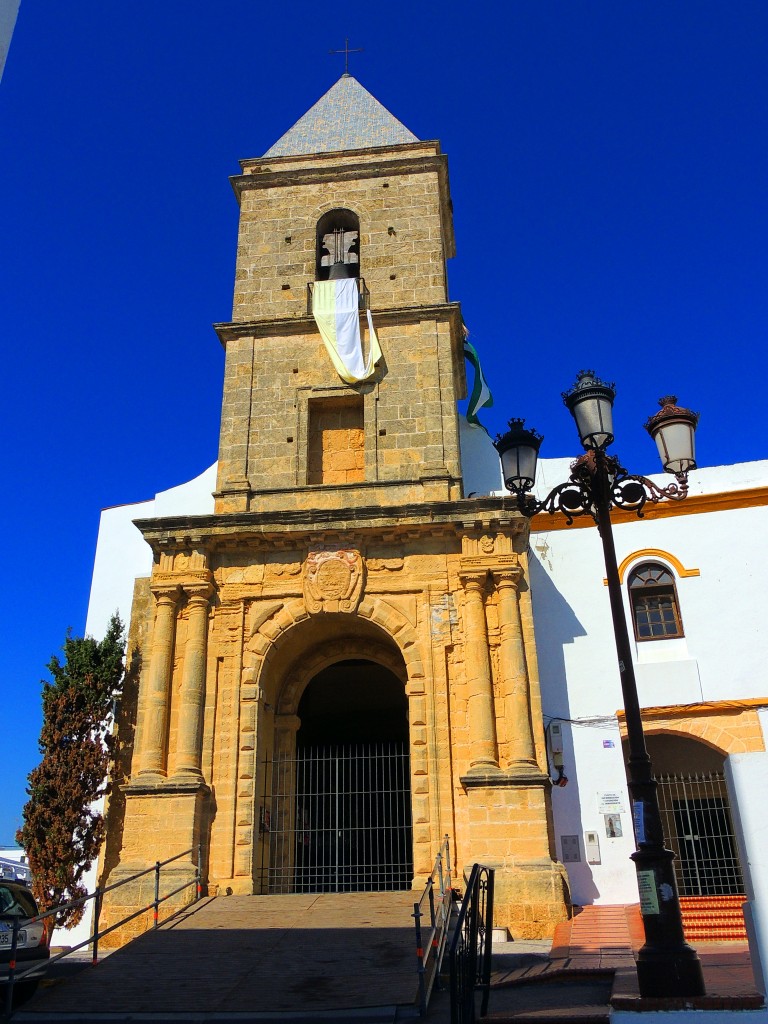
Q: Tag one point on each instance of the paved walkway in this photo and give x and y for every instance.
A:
(350, 959)
(252, 957)
(600, 941)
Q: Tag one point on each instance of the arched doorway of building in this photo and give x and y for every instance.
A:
(342, 800)
(696, 814)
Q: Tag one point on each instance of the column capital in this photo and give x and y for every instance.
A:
(166, 593)
(199, 592)
(473, 579)
(508, 576)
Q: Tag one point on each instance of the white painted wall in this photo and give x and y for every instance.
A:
(480, 465)
(121, 556)
(722, 656)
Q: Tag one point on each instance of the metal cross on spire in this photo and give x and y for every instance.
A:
(346, 51)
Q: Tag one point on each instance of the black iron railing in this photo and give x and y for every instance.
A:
(38, 968)
(470, 949)
(432, 934)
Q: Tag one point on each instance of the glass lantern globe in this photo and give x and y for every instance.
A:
(519, 452)
(673, 430)
(590, 402)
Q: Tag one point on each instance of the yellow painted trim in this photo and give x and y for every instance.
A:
(655, 553)
(713, 707)
(750, 497)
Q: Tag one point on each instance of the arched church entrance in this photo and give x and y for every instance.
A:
(341, 800)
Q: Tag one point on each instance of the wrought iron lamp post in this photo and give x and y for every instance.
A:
(666, 964)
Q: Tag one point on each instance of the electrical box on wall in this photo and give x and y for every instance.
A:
(556, 738)
(570, 847)
(592, 843)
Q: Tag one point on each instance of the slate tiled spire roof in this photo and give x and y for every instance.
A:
(346, 117)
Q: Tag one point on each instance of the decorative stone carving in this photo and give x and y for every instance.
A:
(283, 568)
(387, 564)
(333, 581)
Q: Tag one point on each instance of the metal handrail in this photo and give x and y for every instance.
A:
(470, 951)
(15, 975)
(429, 953)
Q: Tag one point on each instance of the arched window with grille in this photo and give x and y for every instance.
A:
(654, 604)
(337, 245)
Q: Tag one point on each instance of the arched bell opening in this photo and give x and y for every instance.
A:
(337, 249)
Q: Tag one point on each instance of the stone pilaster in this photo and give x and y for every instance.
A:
(151, 738)
(484, 758)
(514, 674)
(192, 695)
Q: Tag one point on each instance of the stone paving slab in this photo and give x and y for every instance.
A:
(253, 955)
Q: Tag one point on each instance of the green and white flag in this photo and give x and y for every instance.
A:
(481, 397)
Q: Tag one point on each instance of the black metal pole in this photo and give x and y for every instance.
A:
(666, 964)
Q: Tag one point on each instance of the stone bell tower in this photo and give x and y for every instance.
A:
(348, 176)
(344, 592)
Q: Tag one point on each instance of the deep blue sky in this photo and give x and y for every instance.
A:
(608, 171)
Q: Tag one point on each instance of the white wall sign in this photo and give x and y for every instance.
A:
(611, 802)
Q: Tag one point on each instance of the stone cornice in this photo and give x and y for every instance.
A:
(317, 172)
(450, 518)
(444, 311)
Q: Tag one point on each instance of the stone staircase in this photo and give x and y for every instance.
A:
(287, 958)
(713, 919)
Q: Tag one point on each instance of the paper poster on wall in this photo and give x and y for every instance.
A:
(649, 898)
(611, 802)
(613, 827)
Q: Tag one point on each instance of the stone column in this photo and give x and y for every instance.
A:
(514, 674)
(151, 739)
(192, 694)
(477, 666)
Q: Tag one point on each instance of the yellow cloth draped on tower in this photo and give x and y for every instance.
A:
(336, 309)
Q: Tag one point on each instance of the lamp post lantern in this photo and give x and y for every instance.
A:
(666, 964)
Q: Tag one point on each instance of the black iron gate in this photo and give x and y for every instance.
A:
(337, 819)
(697, 825)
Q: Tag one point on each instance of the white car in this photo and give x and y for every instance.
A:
(18, 904)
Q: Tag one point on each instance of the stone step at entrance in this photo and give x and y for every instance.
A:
(713, 918)
(254, 957)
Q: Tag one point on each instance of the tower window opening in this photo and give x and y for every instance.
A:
(337, 245)
(336, 441)
(653, 599)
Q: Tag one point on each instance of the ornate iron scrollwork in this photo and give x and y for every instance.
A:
(576, 497)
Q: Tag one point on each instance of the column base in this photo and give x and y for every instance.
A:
(526, 772)
(483, 774)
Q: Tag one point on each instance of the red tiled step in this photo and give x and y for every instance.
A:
(713, 918)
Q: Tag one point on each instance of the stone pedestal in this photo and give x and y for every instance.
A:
(162, 819)
(509, 831)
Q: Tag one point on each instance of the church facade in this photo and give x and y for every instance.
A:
(336, 667)
(336, 658)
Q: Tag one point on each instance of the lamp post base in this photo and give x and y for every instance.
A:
(666, 964)
(673, 972)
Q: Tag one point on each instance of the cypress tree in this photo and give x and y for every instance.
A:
(62, 829)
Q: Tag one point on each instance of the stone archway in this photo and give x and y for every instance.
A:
(311, 666)
(695, 808)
